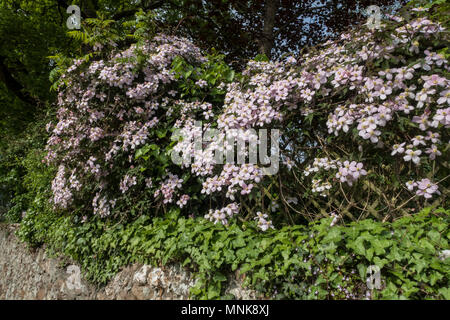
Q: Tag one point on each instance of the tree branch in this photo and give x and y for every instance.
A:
(127, 13)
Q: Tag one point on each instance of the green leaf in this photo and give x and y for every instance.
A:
(445, 293)
(161, 133)
(427, 245)
(142, 151)
(239, 242)
(230, 75)
(219, 277)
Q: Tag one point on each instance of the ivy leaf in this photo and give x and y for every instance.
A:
(230, 75)
(142, 151)
(239, 242)
(161, 133)
(445, 293)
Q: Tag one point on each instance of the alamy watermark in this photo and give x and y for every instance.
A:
(374, 19)
(73, 282)
(74, 21)
(374, 277)
(197, 145)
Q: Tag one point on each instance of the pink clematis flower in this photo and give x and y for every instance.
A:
(412, 156)
(398, 148)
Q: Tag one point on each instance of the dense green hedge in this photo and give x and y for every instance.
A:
(302, 262)
(24, 179)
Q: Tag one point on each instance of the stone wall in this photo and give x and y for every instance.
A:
(31, 274)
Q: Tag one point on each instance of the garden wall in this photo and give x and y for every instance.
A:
(31, 274)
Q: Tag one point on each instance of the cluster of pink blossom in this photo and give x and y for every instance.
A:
(62, 196)
(127, 182)
(424, 187)
(113, 151)
(412, 152)
(96, 134)
(188, 110)
(183, 200)
(136, 134)
(168, 188)
(416, 92)
(321, 163)
(75, 65)
(232, 176)
(262, 221)
(91, 166)
(102, 206)
(201, 83)
(259, 105)
(251, 110)
(273, 86)
(320, 187)
(198, 143)
(222, 215)
(118, 75)
(105, 125)
(74, 182)
(347, 171)
(192, 147)
(203, 144)
(422, 26)
(350, 172)
(143, 90)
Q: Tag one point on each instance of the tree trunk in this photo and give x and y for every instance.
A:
(267, 39)
(13, 85)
